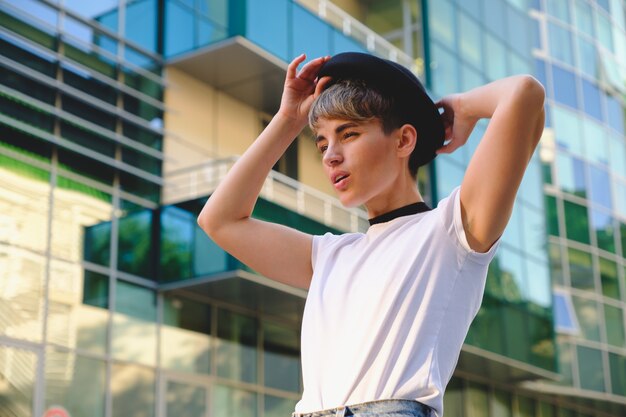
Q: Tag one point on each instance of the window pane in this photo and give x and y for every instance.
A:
(560, 43)
(308, 23)
(267, 24)
(617, 363)
(576, 222)
(135, 317)
(600, 187)
(501, 405)
(179, 28)
(617, 155)
(477, 400)
(281, 356)
(590, 368)
(17, 372)
(588, 57)
(605, 35)
(584, 17)
(469, 42)
(78, 308)
(581, 269)
(568, 130)
(602, 224)
(186, 335)
(591, 100)
(236, 351)
(595, 135)
(440, 14)
(608, 276)
(185, 400)
(615, 114)
(559, 9)
(278, 407)
(135, 241)
(445, 79)
(496, 58)
(563, 315)
(565, 358)
(564, 86)
(228, 401)
(552, 218)
(588, 317)
(556, 266)
(133, 388)
(76, 383)
(614, 317)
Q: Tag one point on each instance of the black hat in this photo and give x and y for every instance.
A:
(394, 80)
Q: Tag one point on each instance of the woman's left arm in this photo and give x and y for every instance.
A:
(495, 171)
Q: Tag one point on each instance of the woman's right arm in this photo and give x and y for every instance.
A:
(278, 252)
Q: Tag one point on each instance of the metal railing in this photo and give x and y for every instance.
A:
(374, 42)
(202, 179)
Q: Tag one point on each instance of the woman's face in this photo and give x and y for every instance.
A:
(359, 159)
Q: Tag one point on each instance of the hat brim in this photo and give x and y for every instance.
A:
(390, 78)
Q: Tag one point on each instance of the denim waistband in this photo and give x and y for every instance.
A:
(378, 407)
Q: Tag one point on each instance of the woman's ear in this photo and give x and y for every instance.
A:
(407, 139)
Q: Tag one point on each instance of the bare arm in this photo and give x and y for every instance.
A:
(276, 251)
(494, 174)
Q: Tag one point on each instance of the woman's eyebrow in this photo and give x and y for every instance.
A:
(338, 130)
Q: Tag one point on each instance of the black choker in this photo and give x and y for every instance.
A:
(407, 210)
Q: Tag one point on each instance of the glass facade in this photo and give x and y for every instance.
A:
(113, 303)
(582, 55)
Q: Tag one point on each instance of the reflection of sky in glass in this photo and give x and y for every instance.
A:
(564, 317)
(600, 191)
(35, 9)
(90, 9)
(538, 281)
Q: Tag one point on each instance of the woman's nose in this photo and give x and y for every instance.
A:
(332, 156)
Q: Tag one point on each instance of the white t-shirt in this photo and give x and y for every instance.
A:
(388, 310)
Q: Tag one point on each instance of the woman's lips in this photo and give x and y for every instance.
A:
(342, 184)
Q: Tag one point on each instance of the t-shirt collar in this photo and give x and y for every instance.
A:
(407, 210)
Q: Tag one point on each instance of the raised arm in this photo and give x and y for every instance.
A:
(495, 171)
(276, 251)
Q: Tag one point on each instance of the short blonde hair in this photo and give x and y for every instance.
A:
(354, 100)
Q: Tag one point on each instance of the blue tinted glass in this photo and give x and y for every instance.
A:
(518, 32)
(584, 17)
(469, 42)
(617, 155)
(267, 25)
(538, 283)
(440, 19)
(536, 35)
(531, 188)
(534, 224)
(571, 175)
(445, 80)
(587, 57)
(512, 267)
(471, 7)
(615, 114)
(591, 100)
(596, 141)
(495, 57)
(449, 176)
(563, 315)
(343, 43)
(560, 43)
(540, 71)
(600, 187)
(208, 31)
(177, 227)
(513, 232)
(534, 4)
(141, 23)
(304, 24)
(564, 86)
(178, 28)
(494, 12)
(604, 4)
(559, 9)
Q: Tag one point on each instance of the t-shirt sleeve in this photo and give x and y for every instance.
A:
(319, 244)
(453, 223)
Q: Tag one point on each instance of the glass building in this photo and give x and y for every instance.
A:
(119, 117)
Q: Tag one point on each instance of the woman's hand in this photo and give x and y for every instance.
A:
(302, 88)
(457, 123)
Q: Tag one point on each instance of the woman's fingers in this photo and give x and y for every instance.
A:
(293, 65)
(311, 68)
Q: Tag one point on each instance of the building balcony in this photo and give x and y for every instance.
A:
(242, 47)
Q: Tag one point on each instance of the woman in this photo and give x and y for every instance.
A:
(387, 311)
